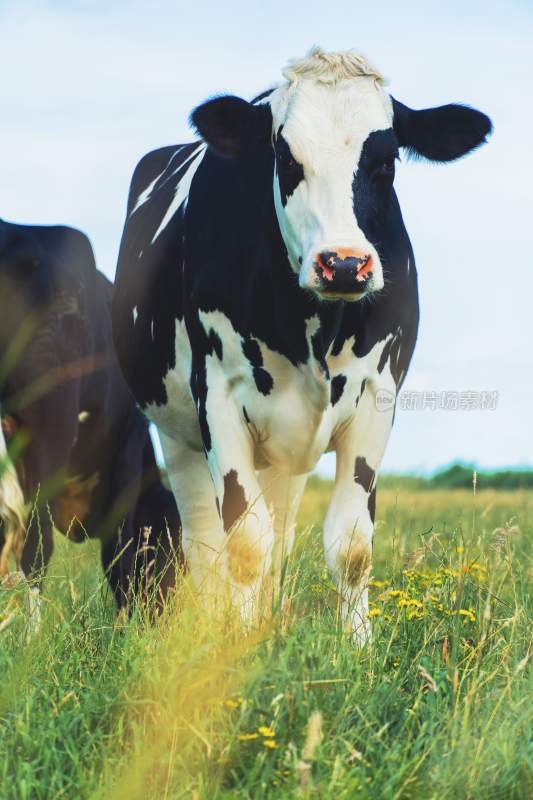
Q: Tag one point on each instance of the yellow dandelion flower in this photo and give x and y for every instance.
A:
(247, 737)
(270, 743)
(479, 572)
(267, 732)
(375, 612)
(378, 584)
(404, 602)
(233, 703)
(468, 614)
(459, 549)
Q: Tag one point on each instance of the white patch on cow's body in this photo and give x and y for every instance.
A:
(327, 113)
(144, 195)
(135, 314)
(182, 190)
(178, 417)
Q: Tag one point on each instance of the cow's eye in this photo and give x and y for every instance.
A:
(287, 162)
(387, 167)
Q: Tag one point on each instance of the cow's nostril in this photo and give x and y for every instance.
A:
(328, 259)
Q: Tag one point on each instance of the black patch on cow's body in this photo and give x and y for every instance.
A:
(364, 474)
(234, 500)
(263, 379)
(361, 391)
(199, 393)
(290, 171)
(395, 359)
(319, 353)
(245, 414)
(338, 382)
(372, 504)
(391, 355)
(252, 351)
(203, 344)
(384, 357)
(216, 343)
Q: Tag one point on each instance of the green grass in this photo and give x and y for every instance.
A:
(439, 707)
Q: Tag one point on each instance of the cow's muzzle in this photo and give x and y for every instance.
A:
(343, 272)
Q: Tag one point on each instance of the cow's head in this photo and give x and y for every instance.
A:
(336, 135)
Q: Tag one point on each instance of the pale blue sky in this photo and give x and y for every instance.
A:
(88, 87)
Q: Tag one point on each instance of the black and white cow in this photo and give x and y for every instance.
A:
(85, 461)
(266, 295)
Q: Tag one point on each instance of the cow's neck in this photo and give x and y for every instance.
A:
(299, 311)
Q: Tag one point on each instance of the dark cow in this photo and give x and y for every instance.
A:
(248, 316)
(87, 463)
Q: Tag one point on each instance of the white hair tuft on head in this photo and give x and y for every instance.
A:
(325, 67)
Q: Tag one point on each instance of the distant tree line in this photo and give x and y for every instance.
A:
(461, 476)
(455, 476)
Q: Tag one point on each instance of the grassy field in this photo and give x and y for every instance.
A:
(440, 706)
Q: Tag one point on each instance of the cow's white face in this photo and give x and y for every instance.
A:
(321, 133)
(336, 134)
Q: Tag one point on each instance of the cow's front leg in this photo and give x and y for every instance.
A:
(244, 512)
(349, 523)
(283, 494)
(203, 538)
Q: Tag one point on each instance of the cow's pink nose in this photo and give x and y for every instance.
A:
(343, 268)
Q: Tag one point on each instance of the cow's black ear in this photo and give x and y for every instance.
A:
(440, 134)
(230, 124)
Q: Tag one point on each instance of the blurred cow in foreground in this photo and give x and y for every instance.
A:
(80, 454)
